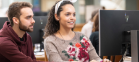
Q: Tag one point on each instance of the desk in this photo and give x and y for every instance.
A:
(127, 59)
(40, 56)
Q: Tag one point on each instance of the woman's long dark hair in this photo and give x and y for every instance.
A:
(53, 25)
(96, 23)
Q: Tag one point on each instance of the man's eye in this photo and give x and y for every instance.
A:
(28, 17)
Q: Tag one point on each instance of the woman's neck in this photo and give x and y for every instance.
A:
(65, 31)
(66, 34)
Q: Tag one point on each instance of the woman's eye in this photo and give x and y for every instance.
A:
(67, 14)
(74, 14)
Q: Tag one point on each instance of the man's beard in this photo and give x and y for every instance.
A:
(24, 28)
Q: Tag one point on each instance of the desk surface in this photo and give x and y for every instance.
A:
(127, 59)
(40, 56)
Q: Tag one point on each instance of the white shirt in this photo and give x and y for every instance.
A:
(87, 29)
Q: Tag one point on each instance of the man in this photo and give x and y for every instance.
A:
(15, 43)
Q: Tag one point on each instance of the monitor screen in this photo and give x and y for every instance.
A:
(112, 27)
(2, 21)
(37, 34)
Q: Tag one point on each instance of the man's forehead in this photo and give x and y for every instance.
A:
(26, 11)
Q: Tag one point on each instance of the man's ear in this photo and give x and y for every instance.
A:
(56, 17)
(15, 20)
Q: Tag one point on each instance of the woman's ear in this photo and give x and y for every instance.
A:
(56, 17)
(15, 20)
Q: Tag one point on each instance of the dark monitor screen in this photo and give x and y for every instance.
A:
(37, 34)
(2, 21)
(112, 25)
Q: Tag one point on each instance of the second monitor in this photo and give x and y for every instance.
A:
(112, 27)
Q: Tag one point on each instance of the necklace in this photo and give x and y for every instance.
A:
(61, 36)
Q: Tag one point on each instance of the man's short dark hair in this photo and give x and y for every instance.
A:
(14, 10)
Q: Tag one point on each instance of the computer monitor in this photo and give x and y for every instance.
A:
(40, 13)
(2, 21)
(112, 27)
(37, 34)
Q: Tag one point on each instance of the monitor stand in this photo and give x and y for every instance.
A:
(135, 45)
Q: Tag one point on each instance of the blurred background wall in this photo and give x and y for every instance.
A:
(83, 8)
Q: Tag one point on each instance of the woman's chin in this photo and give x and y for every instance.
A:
(71, 27)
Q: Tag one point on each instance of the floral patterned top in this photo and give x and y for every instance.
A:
(79, 48)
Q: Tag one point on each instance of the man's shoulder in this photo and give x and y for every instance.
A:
(5, 41)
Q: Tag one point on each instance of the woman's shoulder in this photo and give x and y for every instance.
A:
(96, 33)
(79, 34)
(49, 38)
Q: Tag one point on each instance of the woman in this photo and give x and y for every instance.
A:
(94, 38)
(61, 43)
(87, 28)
